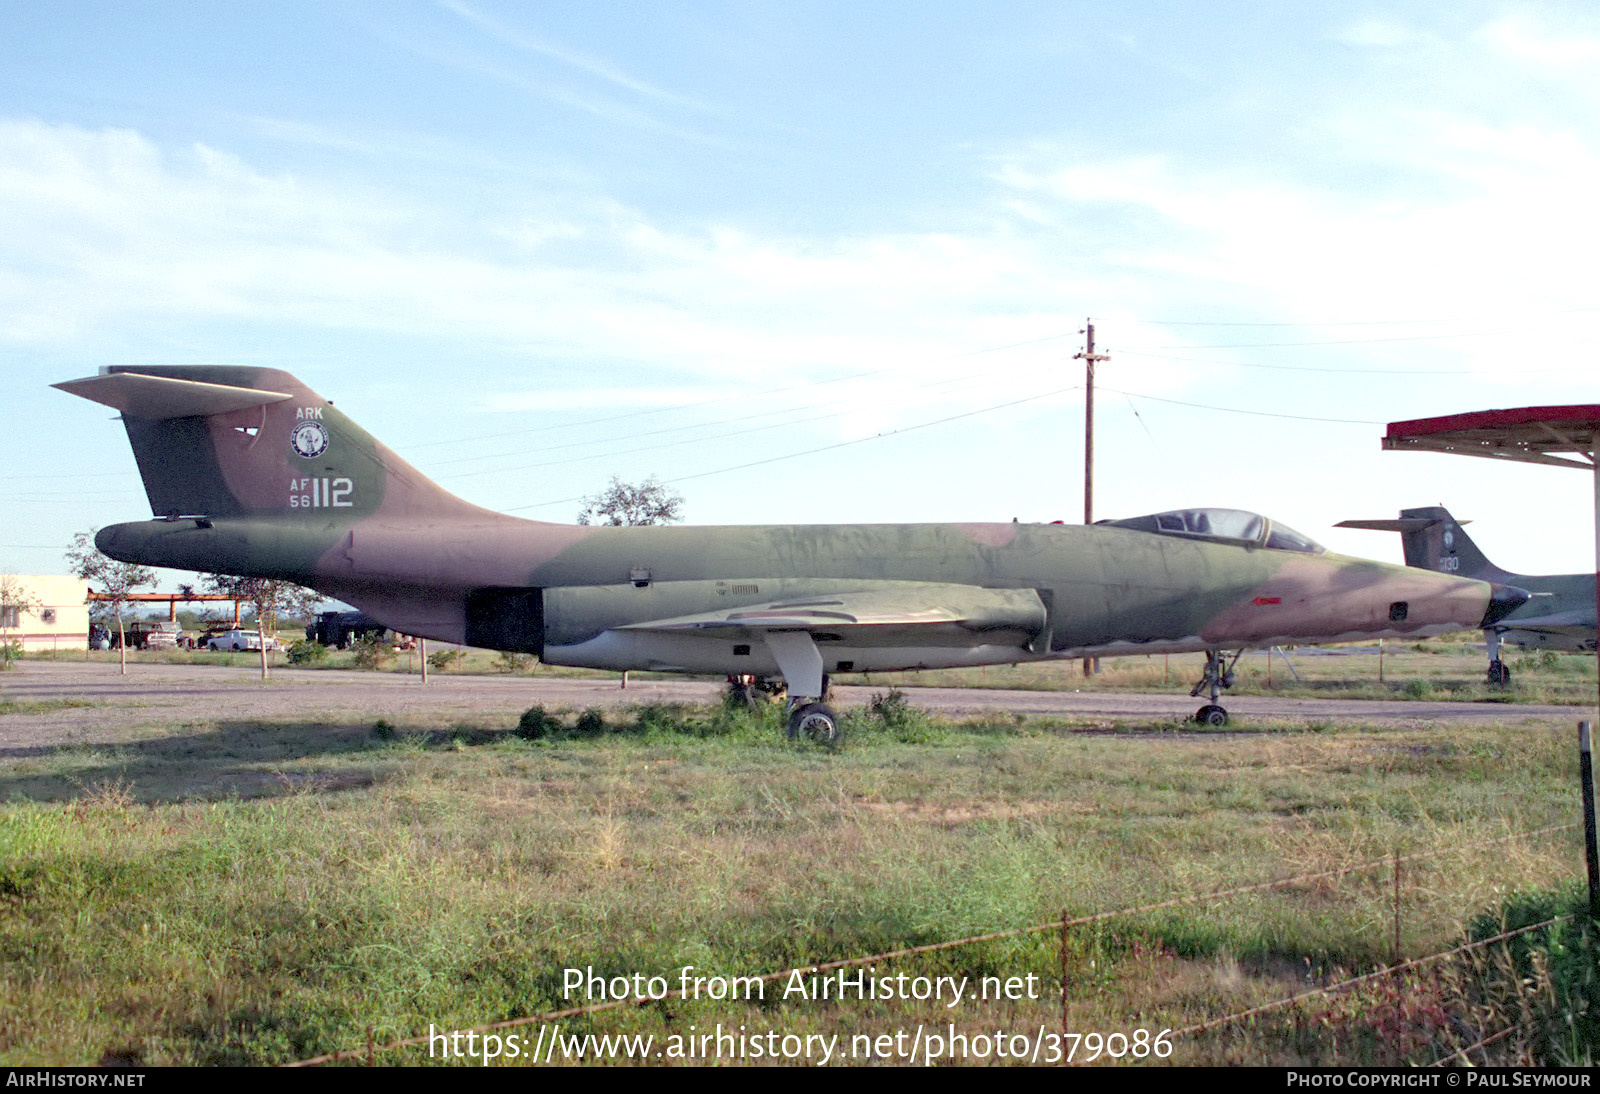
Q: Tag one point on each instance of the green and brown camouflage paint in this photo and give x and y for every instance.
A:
(289, 487)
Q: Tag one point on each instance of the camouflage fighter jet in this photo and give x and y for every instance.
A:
(1559, 614)
(250, 472)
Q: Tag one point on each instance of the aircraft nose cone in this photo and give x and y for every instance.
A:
(1503, 600)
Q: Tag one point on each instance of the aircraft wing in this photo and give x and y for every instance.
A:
(877, 616)
(1573, 620)
(921, 614)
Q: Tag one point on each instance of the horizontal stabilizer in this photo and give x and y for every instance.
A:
(139, 395)
(1405, 524)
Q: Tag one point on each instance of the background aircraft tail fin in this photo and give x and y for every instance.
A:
(1434, 540)
(220, 441)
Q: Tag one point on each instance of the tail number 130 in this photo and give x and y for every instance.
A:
(320, 493)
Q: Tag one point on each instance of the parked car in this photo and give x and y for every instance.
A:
(240, 640)
(162, 634)
(148, 634)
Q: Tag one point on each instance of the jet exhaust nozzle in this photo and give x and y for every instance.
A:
(1503, 600)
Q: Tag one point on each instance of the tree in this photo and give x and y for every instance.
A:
(16, 601)
(115, 581)
(269, 596)
(624, 503)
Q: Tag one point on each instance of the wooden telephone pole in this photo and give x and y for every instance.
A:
(1089, 357)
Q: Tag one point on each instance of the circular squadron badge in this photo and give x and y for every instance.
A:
(309, 439)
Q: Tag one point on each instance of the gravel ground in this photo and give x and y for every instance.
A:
(178, 694)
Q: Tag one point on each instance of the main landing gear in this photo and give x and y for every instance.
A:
(813, 719)
(817, 722)
(1217, 676)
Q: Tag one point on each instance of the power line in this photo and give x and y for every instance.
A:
(1342, 371)
(1339, 322)
(1254, 413)
(641, 448)
(742, 394)
(1342, 341)
(828, 447)
(956, 380)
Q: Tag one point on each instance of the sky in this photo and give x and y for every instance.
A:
(819, 262)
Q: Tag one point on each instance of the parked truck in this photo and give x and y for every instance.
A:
(342, 629)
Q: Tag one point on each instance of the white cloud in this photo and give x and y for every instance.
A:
(1525, 38)
(105, 228)
(1492, 220)
(597, 67)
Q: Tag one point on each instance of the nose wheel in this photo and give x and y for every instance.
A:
(1217, 677)
(1499, 676)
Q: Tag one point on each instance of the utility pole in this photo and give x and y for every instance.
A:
(1089, 357)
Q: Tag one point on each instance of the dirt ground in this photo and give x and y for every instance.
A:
(168, 694)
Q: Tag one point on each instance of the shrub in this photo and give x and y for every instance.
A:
(10, 653)
(507, 661)
(535, 724)
(306, 651)
(894, 708)
(441, 660)
(903, 721)
(373, 652)
(591, 722)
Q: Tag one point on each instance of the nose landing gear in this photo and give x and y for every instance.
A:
(1216, 677)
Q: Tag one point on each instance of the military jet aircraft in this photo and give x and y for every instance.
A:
(249, 472)
(1559, 614)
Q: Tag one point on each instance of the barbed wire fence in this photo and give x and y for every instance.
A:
(1064, 926)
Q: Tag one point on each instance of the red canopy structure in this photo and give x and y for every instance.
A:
(1559, 435)
(1563, 436)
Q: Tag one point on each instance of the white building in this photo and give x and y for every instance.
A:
(51, 613)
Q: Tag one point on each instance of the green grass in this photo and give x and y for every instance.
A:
(247, 892)
(1450, 667)
(44, 706)
(1436, 669)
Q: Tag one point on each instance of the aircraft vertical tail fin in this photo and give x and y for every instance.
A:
(1434, 540)
(225, 441)
(1444, 546)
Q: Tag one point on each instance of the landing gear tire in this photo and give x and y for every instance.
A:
(815, 722)
(1211, 715)
(1499, 675)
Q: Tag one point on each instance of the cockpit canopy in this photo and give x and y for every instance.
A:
(1226, 525)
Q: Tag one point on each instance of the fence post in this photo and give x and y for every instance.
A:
(1586, 772)
(1063, 972)
(1397, 907)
